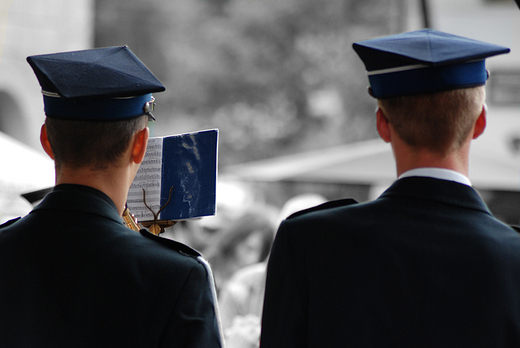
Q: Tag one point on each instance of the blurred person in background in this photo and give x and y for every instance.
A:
(245, 241)
(242, 298)
(199, 233)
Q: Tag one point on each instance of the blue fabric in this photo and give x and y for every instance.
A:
(96, 73)
(112, 109)
(425, 80)
(427, 46)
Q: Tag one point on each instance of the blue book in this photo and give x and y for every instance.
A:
(179, 176)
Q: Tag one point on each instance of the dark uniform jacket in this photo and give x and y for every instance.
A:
(424, 265)
(72, 275)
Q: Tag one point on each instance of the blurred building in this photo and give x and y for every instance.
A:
(30, 27)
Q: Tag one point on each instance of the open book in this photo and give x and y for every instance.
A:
(178, 175)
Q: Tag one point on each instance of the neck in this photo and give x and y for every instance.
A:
(114, 182)
(408, 158)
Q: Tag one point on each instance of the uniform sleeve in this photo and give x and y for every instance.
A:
(284, 314)
(195, 318)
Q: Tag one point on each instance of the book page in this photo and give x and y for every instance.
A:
(148, 178)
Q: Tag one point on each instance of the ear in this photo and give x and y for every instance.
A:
(480, 124)
(44, 140)
(139, 144)
(383, 127)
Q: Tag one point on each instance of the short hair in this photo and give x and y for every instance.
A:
(93, 144)
(438, 122)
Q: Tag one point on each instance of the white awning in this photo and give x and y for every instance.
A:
(23, 169)
(494, 165)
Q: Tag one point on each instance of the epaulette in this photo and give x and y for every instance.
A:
(327, 205)
(182, 248)
(10, 222)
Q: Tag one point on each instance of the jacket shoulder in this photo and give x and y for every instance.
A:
(170, 244)
(325, 206)
(9, 223)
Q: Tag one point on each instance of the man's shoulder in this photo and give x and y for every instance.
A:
(169, 244)
(324, 207)
(9, 222)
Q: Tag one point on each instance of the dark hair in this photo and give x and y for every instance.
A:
(79, 144)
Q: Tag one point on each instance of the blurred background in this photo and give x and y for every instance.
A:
(278, 78)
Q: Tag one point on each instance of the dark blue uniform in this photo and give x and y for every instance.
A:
(72, 275)
(424, 265)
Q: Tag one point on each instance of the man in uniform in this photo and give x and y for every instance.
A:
(72, 275)
(426, 264)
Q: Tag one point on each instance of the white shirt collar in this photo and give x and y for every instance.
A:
(438, 173)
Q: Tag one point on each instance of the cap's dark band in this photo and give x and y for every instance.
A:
(430, 79)
(103, 109)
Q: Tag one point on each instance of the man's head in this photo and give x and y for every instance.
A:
(95, 101)
(429, 85)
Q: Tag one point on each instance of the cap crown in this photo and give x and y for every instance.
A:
(429, 47)
(424, 61)
(96, 73)
(99, 84)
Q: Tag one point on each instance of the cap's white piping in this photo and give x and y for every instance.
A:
(407, 68)
(56, 95)
(50, 94)
(398, 69)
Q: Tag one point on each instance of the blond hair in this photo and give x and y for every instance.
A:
(438, 122)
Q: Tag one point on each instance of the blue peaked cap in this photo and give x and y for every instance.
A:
(102, 84)
(424, 61)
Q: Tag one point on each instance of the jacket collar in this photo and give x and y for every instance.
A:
(444, 191)
(79, 198)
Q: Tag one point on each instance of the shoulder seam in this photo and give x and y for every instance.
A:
(9, 222)
(324, 206)
(172, 244)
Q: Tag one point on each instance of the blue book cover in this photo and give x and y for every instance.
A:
(186, 165)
